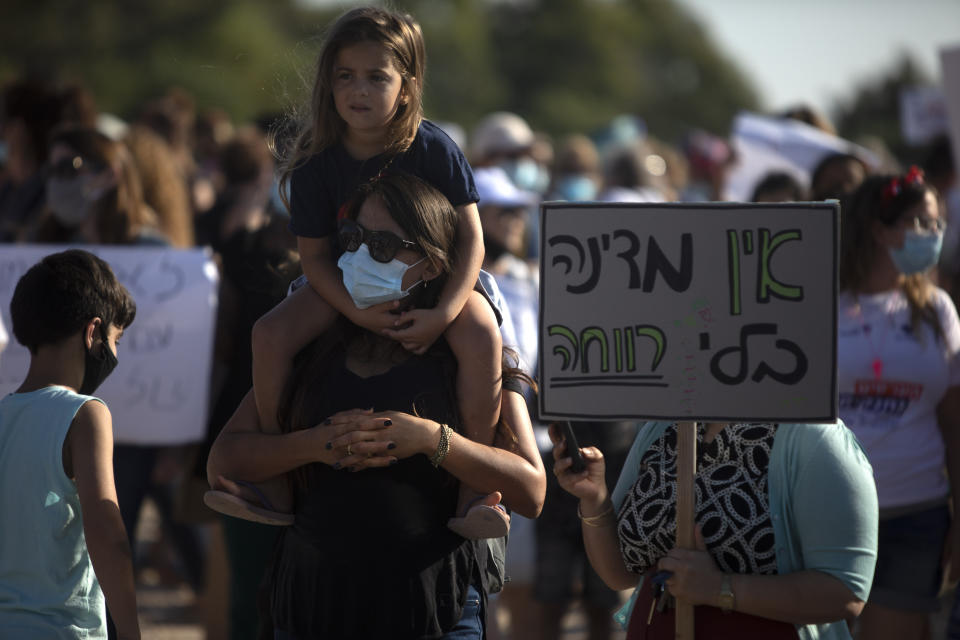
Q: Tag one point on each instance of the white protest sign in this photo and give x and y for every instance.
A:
(158, 394)
(765, 144)
(923, 114)
(715, 311)
(950, 68)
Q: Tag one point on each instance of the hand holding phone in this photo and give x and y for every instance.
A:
(573, 449)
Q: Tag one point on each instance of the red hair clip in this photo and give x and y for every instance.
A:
(912, 177)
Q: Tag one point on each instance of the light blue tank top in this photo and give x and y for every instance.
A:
(47, 585)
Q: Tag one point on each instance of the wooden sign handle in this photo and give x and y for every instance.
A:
(686, 537)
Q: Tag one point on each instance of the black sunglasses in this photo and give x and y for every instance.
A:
(383, 245)
(69, 167)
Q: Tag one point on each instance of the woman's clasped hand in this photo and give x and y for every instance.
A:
(361, 438)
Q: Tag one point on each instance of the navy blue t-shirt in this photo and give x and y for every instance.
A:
(320, 186)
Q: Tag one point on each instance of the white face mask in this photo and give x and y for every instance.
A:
(370, 282)
(65, 198)
(70, 199)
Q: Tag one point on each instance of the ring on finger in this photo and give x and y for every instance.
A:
(349, 450)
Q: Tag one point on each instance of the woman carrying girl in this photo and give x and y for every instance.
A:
(366, 118)
(358, 401)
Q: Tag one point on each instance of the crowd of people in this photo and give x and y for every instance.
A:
(372, 417)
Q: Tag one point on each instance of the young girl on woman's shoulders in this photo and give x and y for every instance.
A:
(366, 118)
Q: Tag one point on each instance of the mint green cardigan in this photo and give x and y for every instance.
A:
(823, 504)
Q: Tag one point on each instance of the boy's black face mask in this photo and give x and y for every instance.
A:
(97, 368)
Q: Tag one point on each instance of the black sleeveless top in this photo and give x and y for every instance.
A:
(370, 555)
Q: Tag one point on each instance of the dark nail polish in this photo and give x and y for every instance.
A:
(392, 445)
(329, 446)
(393, 462)
(327, 421)
(387, 422)
(336, 465)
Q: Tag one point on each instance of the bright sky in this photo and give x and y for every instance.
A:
(817, 51)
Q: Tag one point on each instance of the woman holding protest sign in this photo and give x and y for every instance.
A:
(386, 522)
(785, 527)
(899, 379)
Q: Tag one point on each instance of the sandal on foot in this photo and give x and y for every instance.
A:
(481, 521)
(231, 505)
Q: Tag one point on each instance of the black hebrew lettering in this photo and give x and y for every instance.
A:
(589, 261)
(657, 262)
(174, 279)
(166, 395)
(630, 255)
(593, 275)
(130, 278)
(763, 370)
(148, 338)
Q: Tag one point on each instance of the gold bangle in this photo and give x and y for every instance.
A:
(598, 520)
(443, 447)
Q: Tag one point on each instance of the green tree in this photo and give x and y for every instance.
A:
(229, 54)
(873, 110)
(565, 65)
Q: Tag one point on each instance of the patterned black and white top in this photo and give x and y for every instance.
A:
(732, 503)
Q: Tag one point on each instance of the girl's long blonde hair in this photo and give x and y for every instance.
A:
(322, 126)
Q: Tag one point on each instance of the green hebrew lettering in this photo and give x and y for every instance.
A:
(733, 270)
(569, 355)
(628, 349)
(618, 348)
(588, 335)
(658, 337)
(766, 284)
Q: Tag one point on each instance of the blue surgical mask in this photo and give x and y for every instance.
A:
(575, 189)
(526, 174)
(370, 282)
(920, 251)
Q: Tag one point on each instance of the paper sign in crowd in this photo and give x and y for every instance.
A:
(158, 393)
(713, 311)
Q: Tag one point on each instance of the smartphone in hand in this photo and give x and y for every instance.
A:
(573, 449)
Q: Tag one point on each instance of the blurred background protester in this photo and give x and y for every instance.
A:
(173, 117)
(258, 259)
(94, 194)
(212, 129)
(836, 176)
(576, 170)
(778, 186)
(634, 173)
(898, 372)
(503, 139)
(708, 157)
(564, 575)
(164, 189)
(30, 109)
(504, 216)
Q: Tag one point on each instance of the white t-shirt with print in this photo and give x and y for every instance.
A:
(890, 384)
